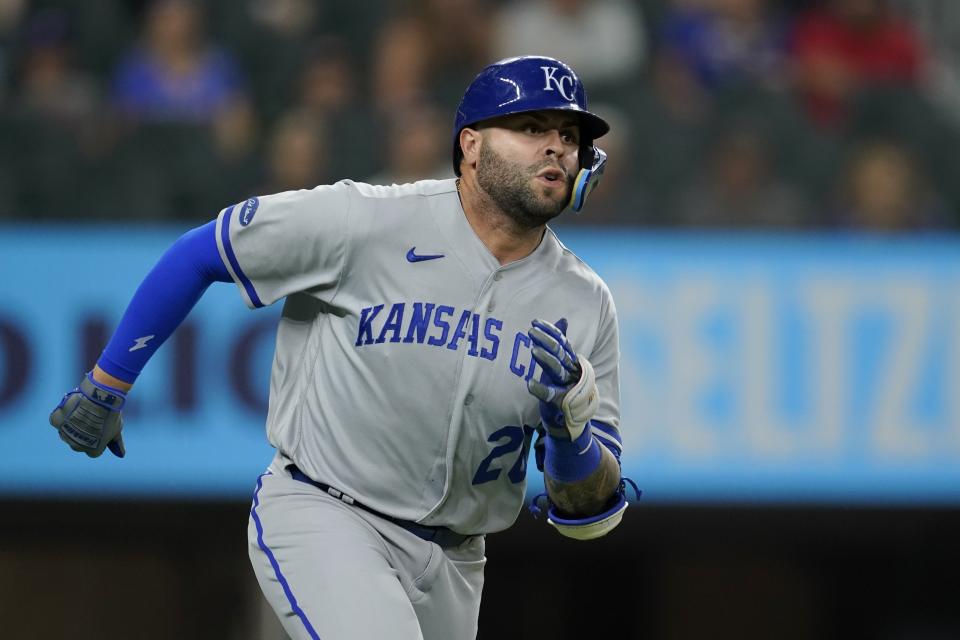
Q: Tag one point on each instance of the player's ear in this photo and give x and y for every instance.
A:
(470, 142)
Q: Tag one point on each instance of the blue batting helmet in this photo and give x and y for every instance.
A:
(534, 83)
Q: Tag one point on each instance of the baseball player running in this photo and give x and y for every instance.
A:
(429, 330)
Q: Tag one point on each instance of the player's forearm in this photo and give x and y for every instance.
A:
(161, 303)
(590, 495)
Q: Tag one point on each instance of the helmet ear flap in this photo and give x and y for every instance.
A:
(587, 179)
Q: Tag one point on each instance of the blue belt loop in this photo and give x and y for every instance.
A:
(441, 536)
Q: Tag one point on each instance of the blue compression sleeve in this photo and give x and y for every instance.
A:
(163, 300)
(572, 460)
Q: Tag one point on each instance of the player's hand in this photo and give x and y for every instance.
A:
(567, 389)
(88, 418)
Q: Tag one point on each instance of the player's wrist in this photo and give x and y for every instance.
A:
(571, 460)
(110, 398)
(112, 383)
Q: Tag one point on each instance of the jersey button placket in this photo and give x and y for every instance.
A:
(497, 277)
(485, 292)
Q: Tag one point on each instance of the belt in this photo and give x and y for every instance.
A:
(441, 536)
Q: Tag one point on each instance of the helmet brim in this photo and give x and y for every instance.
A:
(592, 126)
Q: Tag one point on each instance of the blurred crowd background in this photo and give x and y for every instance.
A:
(786, 114)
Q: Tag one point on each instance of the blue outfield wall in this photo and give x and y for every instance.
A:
(755, 368)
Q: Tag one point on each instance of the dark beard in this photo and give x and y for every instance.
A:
(507, 185)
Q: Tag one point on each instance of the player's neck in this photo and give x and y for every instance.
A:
(503, 237)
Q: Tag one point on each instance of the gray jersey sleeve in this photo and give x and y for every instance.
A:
(605, 358)
(278, 244)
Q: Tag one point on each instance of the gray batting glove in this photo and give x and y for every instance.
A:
(567, 390)
(88, 418)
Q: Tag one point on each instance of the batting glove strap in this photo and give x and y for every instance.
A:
(101, 394)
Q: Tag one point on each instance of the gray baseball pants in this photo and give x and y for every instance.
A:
(331, 571)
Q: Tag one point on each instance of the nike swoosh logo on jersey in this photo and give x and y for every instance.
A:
(413, 257)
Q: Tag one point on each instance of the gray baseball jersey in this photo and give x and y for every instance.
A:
(401, 359)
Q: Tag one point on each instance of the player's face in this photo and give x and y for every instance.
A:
(528, 162)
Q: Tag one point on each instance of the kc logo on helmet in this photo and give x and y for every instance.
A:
(563, 84)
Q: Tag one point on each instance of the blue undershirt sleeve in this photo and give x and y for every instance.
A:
(163, 300)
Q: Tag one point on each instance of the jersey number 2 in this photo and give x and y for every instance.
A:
(516, 438)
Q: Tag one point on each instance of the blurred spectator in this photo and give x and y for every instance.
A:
(401, 64)
(11, 13)
(237, 166)
(726, 43)
(235, 131)
(192, 143)
(739, 187)
(272, 39)
(176, 75)
(50, 126)
(849, 45)
(161, 171)
(100, 31)
(418, 146)
(50, 87)
(290, 18)
(671, 117)
(429, 51)
(328, 89)
(730, 57)
(883, 189)
(939, 23)
(904, 113)
(604, 40)
(328, 82)
(296, 154)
